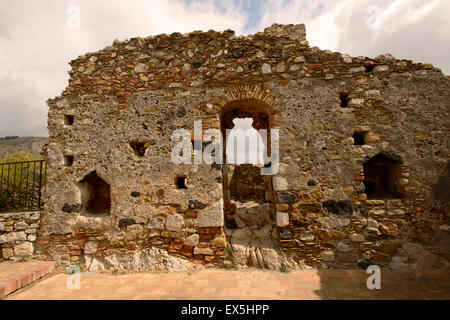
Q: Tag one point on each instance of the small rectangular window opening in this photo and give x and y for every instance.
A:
(180, 182)
(359, 138)
(68, 120)
(344, 96)
(68, 161)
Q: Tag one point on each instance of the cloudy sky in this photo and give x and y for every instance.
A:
(38, 38)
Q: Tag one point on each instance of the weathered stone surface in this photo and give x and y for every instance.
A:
(131, 97)
(414, 257)
(205, 251)
(378, 69)
(125, 222)
(219, 241)
(286, 197)
(12, 236)
(210, 219)
(194, 204)
(266, 68)
(236, 53)
(174, 222)
(334, 223)
(282, 219)
(148, 259)
(358, 69)
(342, 247)
(7, 253)
(90, 247)
(338, 207)
(347, 256)
(192, 240)
(21, 225)
(356, 237)
(280, 184)
(155, 224)
(24, 249)
(307, 237)
(71, 208)
(327, 255)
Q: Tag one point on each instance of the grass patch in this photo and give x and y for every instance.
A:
(284, 268)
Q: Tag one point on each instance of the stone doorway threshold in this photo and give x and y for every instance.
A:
(16, 275)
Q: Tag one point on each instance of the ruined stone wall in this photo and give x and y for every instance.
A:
(18, 234)
(112, 126)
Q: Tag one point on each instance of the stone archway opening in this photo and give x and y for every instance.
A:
(381, 176)
(248, 195)
(95, 195)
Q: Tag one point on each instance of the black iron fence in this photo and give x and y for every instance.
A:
(21, 184)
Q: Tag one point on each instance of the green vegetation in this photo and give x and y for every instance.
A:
(20, 181)
(229, 255)
(284, 268)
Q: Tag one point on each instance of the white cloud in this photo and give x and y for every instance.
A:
(408, 29)
(36, 45)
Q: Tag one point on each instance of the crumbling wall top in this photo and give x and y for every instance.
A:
(295, 31)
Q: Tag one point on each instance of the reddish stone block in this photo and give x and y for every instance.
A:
(198, 256)
(191, 214)
(2, 291)
(187, 254)
(131, 245)
(76, 252)
(187, 248)
(176, 246)
(204, 245)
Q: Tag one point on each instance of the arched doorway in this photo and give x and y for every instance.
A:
(249, 199)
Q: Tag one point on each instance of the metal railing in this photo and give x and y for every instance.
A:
(21, 184)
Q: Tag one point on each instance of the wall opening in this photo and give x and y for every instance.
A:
(344, 96)
(68, 161)
(359, 138)
(180, 182)
(96, 194)
(248, 195)
(381, 176)
(68, 120)
(247, 184)
(369, 68)
(139, 147)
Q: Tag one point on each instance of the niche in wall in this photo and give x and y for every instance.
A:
(95, 194)
(381, 176)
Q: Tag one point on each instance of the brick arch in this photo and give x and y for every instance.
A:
(248, 99)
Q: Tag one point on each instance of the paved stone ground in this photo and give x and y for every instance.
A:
(249, 284)
(16, 275)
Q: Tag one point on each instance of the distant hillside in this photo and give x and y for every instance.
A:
(27, 144)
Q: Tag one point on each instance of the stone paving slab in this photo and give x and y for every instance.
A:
(249, 284)
(16, 275)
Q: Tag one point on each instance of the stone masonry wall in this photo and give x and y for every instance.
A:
(18, 234)
(122, 104)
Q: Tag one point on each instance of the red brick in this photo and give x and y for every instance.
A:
(203, 245)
